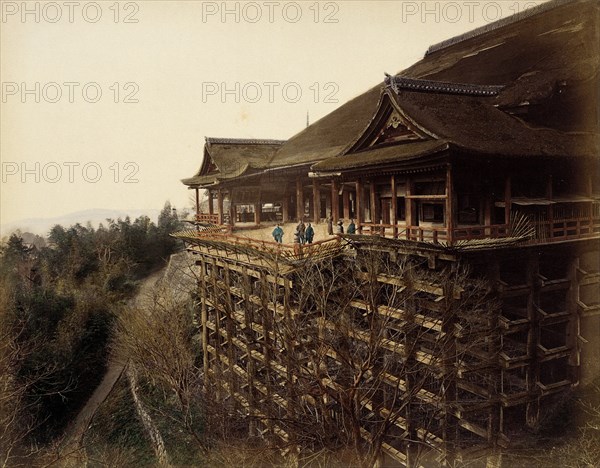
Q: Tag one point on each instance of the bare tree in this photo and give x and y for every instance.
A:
(157, 339)
(341, 353)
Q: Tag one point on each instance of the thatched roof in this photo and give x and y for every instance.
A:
(481, 129)
(523, 86)
(227, 158)
(549, 57)
(477, 125)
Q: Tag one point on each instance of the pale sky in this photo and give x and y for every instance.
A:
(190, 69)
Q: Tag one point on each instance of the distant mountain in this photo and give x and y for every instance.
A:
(95, 216)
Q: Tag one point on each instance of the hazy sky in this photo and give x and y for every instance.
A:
(106, 104)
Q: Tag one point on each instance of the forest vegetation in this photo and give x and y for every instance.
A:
(66, 311)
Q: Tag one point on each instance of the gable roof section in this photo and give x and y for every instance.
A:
(544, 61)
(469, 123)
(516, 59)
(550, 55)
(232, 157)
(389, 125)
(475, 124)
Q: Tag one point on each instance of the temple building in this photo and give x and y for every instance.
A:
(485, 153)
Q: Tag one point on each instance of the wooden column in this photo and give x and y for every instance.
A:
(532, 409)
(550, 208)
(299, 199)
(507, 198)
(373, 200)
(346, 204)
(257, 213)
(204, 320)
(487, 213)
(359, 203)
(285, 209)
(197, 200)
(449, 205)
(211, 206)
(335, 201)
(232, 211)
(220, 206)
(393, 220)
(410, 218)
(448, 353)
(316, 201)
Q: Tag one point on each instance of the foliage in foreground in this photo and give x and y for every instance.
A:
(57, 308)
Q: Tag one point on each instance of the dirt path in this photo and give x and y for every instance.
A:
(70, 448)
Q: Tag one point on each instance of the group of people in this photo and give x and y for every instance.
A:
(304, 234)
(339, 229)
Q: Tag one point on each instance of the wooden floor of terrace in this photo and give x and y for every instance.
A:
(250, 239)
(259, 242)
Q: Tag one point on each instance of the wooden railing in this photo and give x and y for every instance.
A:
(557, 230)
(222, 235)
(544, 231)
(494, 231)
(207, 218)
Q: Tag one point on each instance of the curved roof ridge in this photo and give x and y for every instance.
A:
(417, 84)
(497, 24)
(243, 141)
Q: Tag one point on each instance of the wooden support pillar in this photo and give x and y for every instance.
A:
(449, 421)
(217, 342)
(359, 205)
(220, 206)
(267, 344)
(507, 199)
(316, 201)
(204, 320)
(550, 208)
(285, 209)
(393, 220)
(532, 409)
(251, 339)
(197, 200)
(410, 216)
(335, 201)
(449, 205)
(299, 199)
(373, 200)
(230, 330)
(211, 205)
(290, 366)
(232, 211)
(487, 213)
(257, 213)
(346, 204)
(589, 183)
